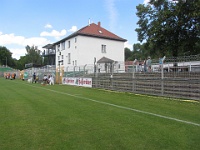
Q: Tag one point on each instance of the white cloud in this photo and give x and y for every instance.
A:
(7, 39)
(128, 45)
(73, 29)
(146, 1)
(10, 40)
(48, 26)
(17, 52)
(54, 33)
(112, 12)
(37, 41)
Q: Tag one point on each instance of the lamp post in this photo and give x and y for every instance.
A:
(6, 61)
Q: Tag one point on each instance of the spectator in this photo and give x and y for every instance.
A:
(45, 79)
(161, 60)
(149, 64)
(145, 65)
(140, 65)
(51, 80)
(34, 77)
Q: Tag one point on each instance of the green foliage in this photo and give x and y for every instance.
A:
(128, 54)
(6, 57)
(33, 55)
(170, 28)
(140, 52)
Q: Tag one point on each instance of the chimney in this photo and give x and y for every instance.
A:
(99, 24)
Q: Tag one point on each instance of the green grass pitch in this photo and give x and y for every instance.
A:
(35, 117)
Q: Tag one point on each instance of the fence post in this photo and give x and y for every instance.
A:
(95, 72)
(133, 76)
(84, 69)
(162, 76)
(67, 71)
(74, 71)
(111, 76)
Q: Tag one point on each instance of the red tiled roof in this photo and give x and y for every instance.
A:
(98, 31)
(94, 30)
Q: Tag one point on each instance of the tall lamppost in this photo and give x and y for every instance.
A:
(6, 61)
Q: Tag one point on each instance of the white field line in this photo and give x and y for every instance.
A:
(118, 106)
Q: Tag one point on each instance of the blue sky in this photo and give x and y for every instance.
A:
(40, 22)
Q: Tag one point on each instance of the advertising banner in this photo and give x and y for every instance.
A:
(86, 82)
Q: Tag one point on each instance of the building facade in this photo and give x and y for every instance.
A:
(89, 45)
(49, 54)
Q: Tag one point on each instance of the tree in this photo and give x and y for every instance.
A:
(33, 55)
(128, 54)
(5, 56)
(170, 28)
(21, 62)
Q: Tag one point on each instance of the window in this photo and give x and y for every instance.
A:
(60, 62)
(62, 57)
(63, 45)
(58, 58)
(75, 40)
(69, 58)
(68, 44)
(103, 48)
(75, 62)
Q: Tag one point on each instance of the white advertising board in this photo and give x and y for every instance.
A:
(86, 82)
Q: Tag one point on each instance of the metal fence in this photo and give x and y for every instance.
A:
(175, 77)
(40, 72)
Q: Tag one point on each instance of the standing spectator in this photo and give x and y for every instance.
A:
(51, 80)
(161, 60)
(149, 64)
(140, 65)
(34, 77)
(145, 65)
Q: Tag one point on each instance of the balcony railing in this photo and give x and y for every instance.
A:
(49, 52)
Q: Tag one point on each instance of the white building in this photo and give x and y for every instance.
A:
(89, 45)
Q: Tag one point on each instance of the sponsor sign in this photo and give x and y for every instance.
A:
(86, 82)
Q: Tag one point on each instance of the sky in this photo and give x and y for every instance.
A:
(42, 22)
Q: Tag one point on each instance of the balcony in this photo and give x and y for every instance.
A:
(49, 52)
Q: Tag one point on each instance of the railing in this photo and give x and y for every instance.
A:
(49, 52)
(176, 77)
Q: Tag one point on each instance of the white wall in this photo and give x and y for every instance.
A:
(86, 48)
